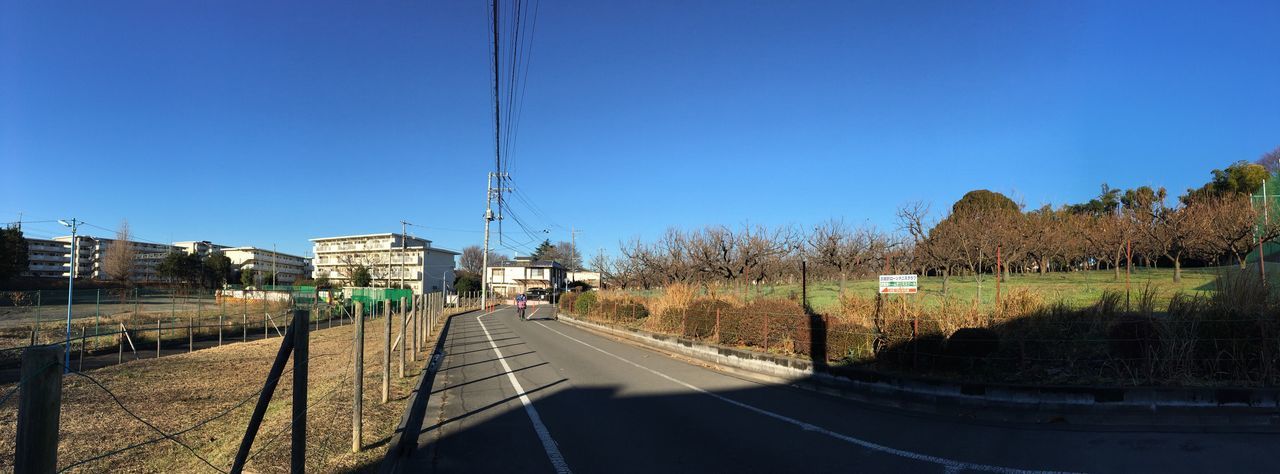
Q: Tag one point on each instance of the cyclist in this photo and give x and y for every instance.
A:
(521, 303)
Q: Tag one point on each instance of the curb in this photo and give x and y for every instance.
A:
(1202, 409)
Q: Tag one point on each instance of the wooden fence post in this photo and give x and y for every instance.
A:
(386, 351)
(357, 410)
(404, 334)
(264, 400)
(301, 362)
(413, 329)
(80, 364)
(39, 406)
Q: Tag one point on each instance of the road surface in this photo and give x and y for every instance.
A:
(545, 396)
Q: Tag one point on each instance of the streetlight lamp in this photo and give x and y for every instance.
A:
(71, 283)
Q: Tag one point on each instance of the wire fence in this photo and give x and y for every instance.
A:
(124, 415)
(1229, 338)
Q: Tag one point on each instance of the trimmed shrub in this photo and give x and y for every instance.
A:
(1133, 339)
(968, 345)
(584, 303)
(850, 342)
(566, 301)
(700, 317)
(628, 311)
(783, 320)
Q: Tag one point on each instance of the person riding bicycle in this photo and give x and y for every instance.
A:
(521, 303)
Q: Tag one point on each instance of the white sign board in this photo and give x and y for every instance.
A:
(898, 284)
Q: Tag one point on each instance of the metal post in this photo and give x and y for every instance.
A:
(158, 333)
(39, 407)
(71, 283)
(357, 410)
(222, 314)
(301, 340)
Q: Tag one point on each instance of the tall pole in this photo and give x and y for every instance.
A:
(273, 264)
(1266, 222)
(71, 283)
(402, 252)
(488, 217)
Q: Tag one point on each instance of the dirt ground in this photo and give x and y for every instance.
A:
(218, 387)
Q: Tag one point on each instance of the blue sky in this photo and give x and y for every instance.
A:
(260, 123)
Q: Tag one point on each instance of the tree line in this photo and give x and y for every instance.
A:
(983, 233)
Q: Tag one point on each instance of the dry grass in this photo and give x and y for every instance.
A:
(177, 392)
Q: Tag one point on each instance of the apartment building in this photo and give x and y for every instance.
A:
(47, 258)
(91, 252)
(391, 259)
(285, 268)
(200, 247)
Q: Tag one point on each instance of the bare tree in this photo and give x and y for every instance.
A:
(844, 251)
(472, 259)
(118, 263)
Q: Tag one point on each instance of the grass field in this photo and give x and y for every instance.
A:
(1075, 289)
(175, 393)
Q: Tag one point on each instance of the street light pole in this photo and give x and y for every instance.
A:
(71, 283)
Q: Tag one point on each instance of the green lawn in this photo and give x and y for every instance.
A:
(1076, 289)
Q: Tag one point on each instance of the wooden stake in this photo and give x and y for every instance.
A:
(357, 410)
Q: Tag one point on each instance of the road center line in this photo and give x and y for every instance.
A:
(948, 465)
(548, 444)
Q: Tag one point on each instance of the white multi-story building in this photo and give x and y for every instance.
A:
(47, 258)
(525, 274)
(391, 259)
(91, 252)
(286, 268)
(199, 247)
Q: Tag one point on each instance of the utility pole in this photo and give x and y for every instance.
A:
(488, 217)
(71, 283)
(402, 251)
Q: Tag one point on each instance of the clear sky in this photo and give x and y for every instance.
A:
(260, 123)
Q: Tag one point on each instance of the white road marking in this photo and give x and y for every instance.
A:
(948, 465)
(548, 444)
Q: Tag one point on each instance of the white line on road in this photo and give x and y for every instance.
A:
(548, 444)
(949, 465)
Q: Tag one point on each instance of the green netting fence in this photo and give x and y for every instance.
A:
(369, 296)
(300, 294)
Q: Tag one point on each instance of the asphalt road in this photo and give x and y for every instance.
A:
(543, 396)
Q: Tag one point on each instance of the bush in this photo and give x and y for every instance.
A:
(566, 301)
(700, 317)
(851, 342)
(1133, 339)
(968, 345)
(583, 303)
(784, 321)
(628, 311)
